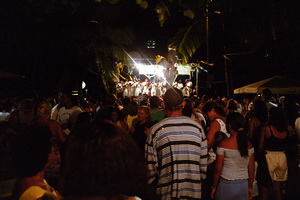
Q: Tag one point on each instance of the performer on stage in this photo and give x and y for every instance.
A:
(153, 89)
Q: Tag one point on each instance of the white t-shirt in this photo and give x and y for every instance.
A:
(67, 117)
(235, 166)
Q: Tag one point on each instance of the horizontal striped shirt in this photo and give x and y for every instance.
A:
(176, 154)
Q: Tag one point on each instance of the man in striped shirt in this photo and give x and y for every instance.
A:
(176, 152)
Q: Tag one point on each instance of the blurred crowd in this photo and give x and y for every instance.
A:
(148, 146)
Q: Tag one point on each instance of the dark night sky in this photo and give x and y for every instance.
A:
(26, 41)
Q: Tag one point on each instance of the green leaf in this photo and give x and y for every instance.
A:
(187, 41)
(189, 13)
(162, 12)
(144, 4)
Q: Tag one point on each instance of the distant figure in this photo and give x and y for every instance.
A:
(140, 129)
(156, 113)
(153, 90)
(258, 119)
(232, 106)
(56, 107)
(176, 153)
(105, 112)
(68, 113)
(272, 166)
(23, 116)
(132, 116)
(266, 97)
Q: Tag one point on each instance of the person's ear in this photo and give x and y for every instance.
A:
(183, 104)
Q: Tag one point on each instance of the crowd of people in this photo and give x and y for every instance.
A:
(149, 146)
(130, 88)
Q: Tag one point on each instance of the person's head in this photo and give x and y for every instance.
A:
(115, 114)
(154, 102)
(133, 108)
(32, 150)
(236, 122)
(232, 105)
(266, 95)
(83, 117)
(188, 108)
(144, 114)
(278, 119)
(173, 99)
(110, 100)
(27, 107)
(26, 114)
(212, 110)
(43, 108)
(101, 160)
(66, 98)
(204, 99)
(260, 111)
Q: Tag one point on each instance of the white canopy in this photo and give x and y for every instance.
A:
(277, 84)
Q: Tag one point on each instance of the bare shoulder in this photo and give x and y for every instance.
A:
(225, 143)
(215, 125)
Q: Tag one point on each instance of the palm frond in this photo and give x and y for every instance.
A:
(187, 41)
(119, 35)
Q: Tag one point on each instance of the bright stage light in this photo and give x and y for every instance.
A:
(139, 65)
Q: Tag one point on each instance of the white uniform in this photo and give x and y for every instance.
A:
(153, 89)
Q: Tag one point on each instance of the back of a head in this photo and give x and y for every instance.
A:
(133, 108)
(31, 150)
(154, 102)
(236, 121)
(267, 94)
(173, 99)
(278, 119)
(110, 99)
(209, 105)
(232, 105)
(102, 160)
(260, 111)
(26, 105)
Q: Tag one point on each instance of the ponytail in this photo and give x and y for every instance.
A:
(237, 122)
(242, 141)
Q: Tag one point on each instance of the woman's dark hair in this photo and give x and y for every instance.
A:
(237, 123)
(232, 105)
(102, 160)
(209, 105)
(133, 108)
(83, 117)
(260, 111)
(31, 149)
(278, 119)
(119, 113)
